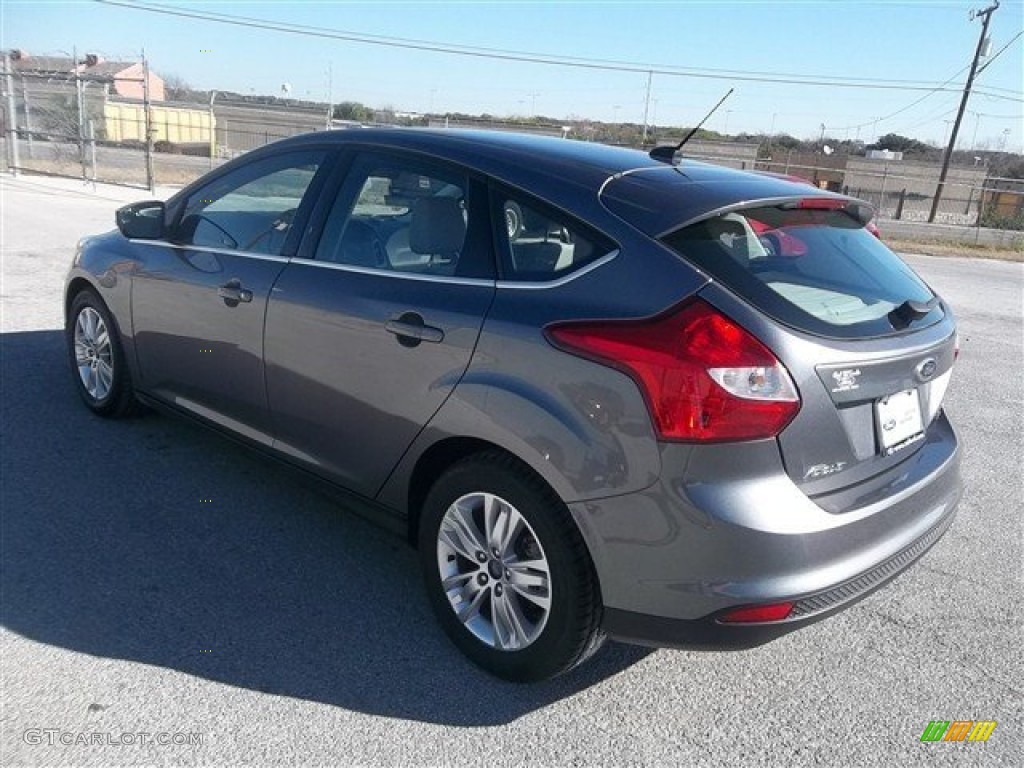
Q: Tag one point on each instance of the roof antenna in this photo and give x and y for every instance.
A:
(667, 152)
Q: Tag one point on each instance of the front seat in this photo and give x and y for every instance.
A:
(438, 231)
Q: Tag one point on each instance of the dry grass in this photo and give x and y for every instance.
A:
(166, 175)
(937, 248)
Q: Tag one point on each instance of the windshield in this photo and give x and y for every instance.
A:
(816, 269)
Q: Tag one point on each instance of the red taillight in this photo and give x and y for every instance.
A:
(873, 229)
(756, 613)
(704, 377)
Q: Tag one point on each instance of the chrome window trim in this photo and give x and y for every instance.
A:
(557, 283)
(219, 251)
(480, 282)
(508, 284)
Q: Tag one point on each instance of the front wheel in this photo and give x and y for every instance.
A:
(97, 361)
(507, 572)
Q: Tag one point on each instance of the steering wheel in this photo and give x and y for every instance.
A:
(361, 246)
(281, 224)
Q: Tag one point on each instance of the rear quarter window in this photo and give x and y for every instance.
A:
(817, 270)
(540, 243)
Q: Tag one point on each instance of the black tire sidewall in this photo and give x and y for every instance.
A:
(568, 627)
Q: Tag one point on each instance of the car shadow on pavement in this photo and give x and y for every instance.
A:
(155, 541)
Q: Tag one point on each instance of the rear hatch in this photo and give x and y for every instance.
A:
(867, 342)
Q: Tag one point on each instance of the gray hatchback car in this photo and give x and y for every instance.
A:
(677, 405)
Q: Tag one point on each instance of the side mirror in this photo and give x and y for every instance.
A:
(144, 221)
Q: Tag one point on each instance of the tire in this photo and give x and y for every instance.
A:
(520, 623)
(97, 360)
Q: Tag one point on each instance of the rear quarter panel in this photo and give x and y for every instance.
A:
(582, 426)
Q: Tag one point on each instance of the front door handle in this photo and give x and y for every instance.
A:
(411, 330)
(233, 293)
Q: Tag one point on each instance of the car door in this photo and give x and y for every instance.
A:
(199, 300)
(370, 328)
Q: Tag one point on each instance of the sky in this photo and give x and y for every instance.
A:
(909, 47)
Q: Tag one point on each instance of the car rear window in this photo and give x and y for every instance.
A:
(818, 270)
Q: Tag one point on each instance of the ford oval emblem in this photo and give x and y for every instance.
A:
(926, 369)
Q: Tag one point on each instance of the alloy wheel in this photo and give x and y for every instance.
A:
(94, 354)
(494, 571)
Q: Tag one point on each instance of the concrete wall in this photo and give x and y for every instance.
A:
(727, 153)
(882, 183)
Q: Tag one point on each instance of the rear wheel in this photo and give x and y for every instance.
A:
(97, 360)
(507, 572)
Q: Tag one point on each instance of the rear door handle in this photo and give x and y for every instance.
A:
(233, 293)
(411, 330)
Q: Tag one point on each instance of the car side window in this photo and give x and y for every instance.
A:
(252, 208)
(399, 215)
(544, 244)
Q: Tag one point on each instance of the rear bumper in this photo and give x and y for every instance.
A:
(708, 633)
(725, 527)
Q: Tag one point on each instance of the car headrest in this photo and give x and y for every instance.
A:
(438, 226)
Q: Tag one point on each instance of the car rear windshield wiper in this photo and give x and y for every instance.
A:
(909, 311)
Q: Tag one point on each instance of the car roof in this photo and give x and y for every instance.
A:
(465, 145)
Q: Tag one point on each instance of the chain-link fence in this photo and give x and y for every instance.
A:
(73, 117)
(107, 128)
(57, 118)
(904, 190)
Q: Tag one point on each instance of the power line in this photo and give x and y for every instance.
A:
(995, 117)
(995, 56)
(930, 120)
(912, 104)
(527, 57)
(903, 109)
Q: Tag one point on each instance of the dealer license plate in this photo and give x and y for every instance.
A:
(899, 420)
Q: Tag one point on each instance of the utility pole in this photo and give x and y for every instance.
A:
(986, 14)
(330, 94)
(12, 117)
(28, 115)
(147, 108)
(213, 129)
(647, 108)
(80, 96)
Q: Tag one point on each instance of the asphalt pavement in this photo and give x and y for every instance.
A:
(157, 579)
